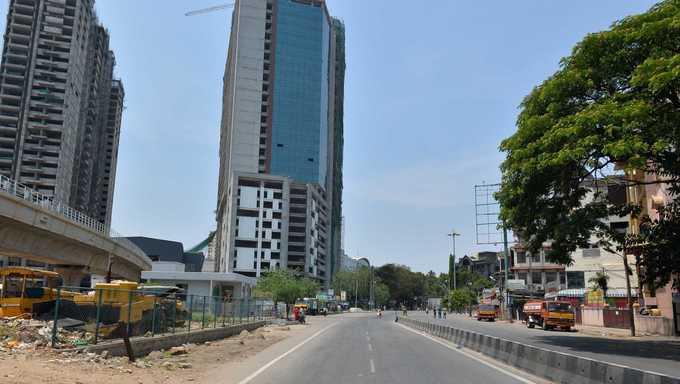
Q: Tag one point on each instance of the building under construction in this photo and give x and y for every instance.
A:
(60, 106)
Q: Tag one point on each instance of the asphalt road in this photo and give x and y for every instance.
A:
(661, 356)
(359, 348)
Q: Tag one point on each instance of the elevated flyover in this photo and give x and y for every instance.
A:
(36, 227)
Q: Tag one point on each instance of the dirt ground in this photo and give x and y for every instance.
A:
(190, 364)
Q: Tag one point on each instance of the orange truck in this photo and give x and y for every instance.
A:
(487, 312)
(549, 314)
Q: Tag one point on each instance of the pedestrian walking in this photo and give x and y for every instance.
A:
(302, 316)
(445, 314)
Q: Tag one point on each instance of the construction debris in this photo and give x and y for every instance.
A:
(181, 350)
(25, 334)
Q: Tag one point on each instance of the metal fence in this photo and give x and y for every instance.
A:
(24, 192)
(83, 316)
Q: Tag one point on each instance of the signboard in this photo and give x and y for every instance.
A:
(515, 284)
(343, 296)
(489, 293)
(323, 297)
(595, 298)
(552, 286)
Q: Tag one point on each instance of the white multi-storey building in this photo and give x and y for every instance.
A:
(280, 181)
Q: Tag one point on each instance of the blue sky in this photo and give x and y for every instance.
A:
(431, 90)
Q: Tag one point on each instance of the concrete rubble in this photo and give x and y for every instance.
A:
(33, 338)
(25, 334)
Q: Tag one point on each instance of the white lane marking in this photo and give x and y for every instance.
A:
(453, 348)
(269, 364)
(372, 366)
(370, 348)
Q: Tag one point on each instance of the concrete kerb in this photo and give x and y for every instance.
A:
(142, 346)
(556, 366)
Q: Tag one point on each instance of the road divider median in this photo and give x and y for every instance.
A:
(555, 366)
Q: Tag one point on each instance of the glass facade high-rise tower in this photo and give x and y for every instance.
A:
(280, 183)
(300, 103)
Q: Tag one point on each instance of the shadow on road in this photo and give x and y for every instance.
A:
(666, 350)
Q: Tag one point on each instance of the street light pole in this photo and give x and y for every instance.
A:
(453, 235)
(356, 292)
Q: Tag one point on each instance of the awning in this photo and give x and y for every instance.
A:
(581, 292)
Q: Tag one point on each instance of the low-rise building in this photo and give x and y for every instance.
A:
(485, 263)
(173, 266)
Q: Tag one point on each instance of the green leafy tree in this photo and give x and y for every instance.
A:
(609, 114)
(658, 242)
(381, 294)
(284, 286)
(435, 286)
(349, 281)
(461, 299)
(405, 286)
(600, 281)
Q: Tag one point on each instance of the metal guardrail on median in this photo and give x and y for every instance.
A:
(552, 365)
(24, 192)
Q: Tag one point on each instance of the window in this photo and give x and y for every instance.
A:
(521, 257)
(576, 279)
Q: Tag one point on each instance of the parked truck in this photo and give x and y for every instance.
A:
(487, 312)
(549, 314)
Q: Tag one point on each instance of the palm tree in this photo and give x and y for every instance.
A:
(599, 281)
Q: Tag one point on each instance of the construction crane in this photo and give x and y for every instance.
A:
(209, 9)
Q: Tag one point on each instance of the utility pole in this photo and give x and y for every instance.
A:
(453, 235)
(506, 254)
(449, 283)
(628, 272)
(356, 292)
(371, 298)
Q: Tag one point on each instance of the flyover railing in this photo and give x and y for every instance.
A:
(44, 201)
